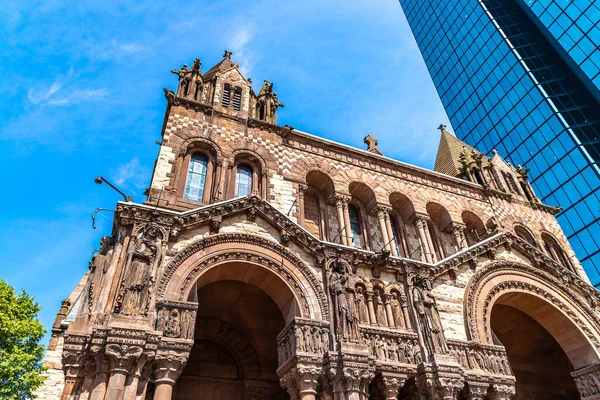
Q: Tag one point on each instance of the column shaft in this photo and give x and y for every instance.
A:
(372, 317)
(99, 390)
(388, 227)
(389, 313)
(116, 386)
(163, 391)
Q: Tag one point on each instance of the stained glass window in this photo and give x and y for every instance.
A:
(244, 180)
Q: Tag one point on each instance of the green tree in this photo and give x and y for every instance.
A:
(20, 351)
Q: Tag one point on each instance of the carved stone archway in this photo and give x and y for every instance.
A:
(188, 266)
(565, 316)
(492, 282)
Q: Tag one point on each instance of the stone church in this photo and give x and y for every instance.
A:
(268, 263)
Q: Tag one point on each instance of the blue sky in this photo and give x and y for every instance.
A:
(81, 95)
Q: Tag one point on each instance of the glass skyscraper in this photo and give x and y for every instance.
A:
(523, 77)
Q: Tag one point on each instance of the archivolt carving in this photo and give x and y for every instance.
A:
(576, 307)
(277, 266)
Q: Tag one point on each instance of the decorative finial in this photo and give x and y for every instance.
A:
(442, 127)
(227, 54)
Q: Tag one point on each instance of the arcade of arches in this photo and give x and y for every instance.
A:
(266, 263)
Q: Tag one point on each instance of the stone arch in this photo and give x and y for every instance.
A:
(475, 229)
(568, 318)
(321, 181)
(364, 194)
(403, 205)
(200, 257)
(234, 341)
(439, 214)
(524, 233)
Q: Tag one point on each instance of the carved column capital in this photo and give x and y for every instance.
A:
(122, 356)
(382, 211)
(390, 385)
(456, 227)
(168, 367)
(339, 200)
(420, 219)
(301, 382)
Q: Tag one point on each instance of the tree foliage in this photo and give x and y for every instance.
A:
(20, 351)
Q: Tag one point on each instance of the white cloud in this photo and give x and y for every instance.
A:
(132, 174)
(238, 45)
(54, 94)
(80, 95)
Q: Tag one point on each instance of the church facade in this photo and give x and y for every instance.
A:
(268, 263)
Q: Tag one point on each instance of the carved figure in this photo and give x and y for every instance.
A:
(430, 325)
(416, 354)
(99, 264)
(392, 350)
(361, 305)
(173, 328)
(379, 308)
(342, 292)
(187, 324)
(379, 348)
(161, 319)
(397, 311)
(299, 336)
(142, 255)
(183, 80)
(325, 339)
(308, 340)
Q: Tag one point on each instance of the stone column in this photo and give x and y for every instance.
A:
(388, 311)
(404, 305)
(218, 180)
(301, 189)
(339, 206)
(421, 225)
(349, 235)
(121, 358)
(102, 365)
(89, 372)
(167, 369)
(133, 380)
(382, 213)
(301, 383)
(263, 186)
(372, 317)
(388, 226)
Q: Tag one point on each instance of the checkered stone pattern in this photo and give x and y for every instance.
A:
(295, 157)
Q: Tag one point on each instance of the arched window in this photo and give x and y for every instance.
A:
(226, 95)
(555, 251)
(355, 230)
(237, 99)
(196, 178)
(525, 235)
(243, 185)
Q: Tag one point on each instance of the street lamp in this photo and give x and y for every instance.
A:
(101, 179)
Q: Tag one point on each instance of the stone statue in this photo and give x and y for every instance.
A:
(299, 336)
(342, 292)
(308, 339)
(430, 324)
(183, 80)
(142, 255)
(161, 319)
(361, 305)
(99, 264)
(397, 311)
(173, 328)
(379, 308)
(187, 324)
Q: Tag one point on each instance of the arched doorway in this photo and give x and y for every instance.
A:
(541, 367)
(242, 308)
(550, 333)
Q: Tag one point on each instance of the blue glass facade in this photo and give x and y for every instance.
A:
(522, 77)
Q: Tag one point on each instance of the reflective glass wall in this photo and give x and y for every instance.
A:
(508, 83)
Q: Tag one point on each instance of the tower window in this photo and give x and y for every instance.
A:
(244, 180)
(354, 225)
(196, 178)
(226, 96)
(237, 99)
